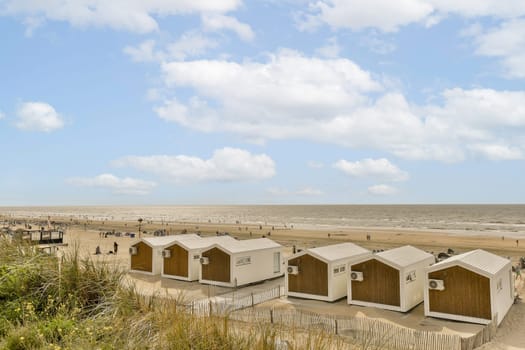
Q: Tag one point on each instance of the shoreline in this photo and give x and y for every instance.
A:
(501, 243)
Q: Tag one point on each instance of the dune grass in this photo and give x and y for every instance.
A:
(72, 302)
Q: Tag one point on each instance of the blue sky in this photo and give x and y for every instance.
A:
(262, 102)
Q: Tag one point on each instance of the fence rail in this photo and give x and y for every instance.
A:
(361, 330)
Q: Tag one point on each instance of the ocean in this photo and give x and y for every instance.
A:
(461, 219)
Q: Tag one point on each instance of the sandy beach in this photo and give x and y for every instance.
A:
(86, 236)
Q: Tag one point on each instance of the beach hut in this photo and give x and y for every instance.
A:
(146, 254)
(236, 263)
(392, 280)
(182, 258)
(476, 287)
(321, 273)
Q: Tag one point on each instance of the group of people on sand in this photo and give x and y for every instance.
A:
(114, 251)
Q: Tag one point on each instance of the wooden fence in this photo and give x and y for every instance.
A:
(226, 304)
(365, 332)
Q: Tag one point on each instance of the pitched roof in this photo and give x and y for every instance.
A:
(338, 251)
(477, 259)
(235, 246)
(205, 242)
(404, 256)
(164, 240)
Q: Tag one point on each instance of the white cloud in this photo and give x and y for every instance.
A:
(226, 164)
(331, 49)
(359, 14)
(38, 116)
(506, 42)
(372, 168)
(389, 16)
(125, 185)
(130, 15)
(190, 44)
(382, 190)
(217, 22)
(144, 52)
(2, 115)
(291, 96)
(497, 151)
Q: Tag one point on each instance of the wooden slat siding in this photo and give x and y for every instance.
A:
(466, 293)
(219, 267)
(312, 277)
(177, 264)
(380, 283)
(143, 260)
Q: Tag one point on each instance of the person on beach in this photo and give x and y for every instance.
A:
(115, 247)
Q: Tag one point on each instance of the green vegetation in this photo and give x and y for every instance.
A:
(74, 303)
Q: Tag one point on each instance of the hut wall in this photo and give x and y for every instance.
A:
(338, 280)
(380, 283)
(194, 264)
(219, 267)
(143, 260)
(503, 296)
(256, 265)
(177, 264)
(413, 284)
(312, 277)
(466, 293)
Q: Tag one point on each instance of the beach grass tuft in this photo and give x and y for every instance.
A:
(72, 302)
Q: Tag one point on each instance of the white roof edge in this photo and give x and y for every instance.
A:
(460, 260)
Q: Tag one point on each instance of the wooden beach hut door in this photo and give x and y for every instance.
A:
(380, 284)
(143, 260)
(466, 293)
(312, 277)
(177, 263)
(218, 268)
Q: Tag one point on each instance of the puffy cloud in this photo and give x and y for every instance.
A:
(255, 98)
(383, 14)
(497, 151)
(226, 164)
(291, 96)
(190, 44)
(2, 115)
(389, 16)
(382, 190)
(38, 116)
(372, 167)
(144, 52)
(217, 22)
(130, 15)
(125, 185)
(331, 49)
(506, 41)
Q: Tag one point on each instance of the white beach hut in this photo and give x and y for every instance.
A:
(321, 273)
(146, 254)
(236, 263)
(182, 258)
(392, 280)
(476, 287)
